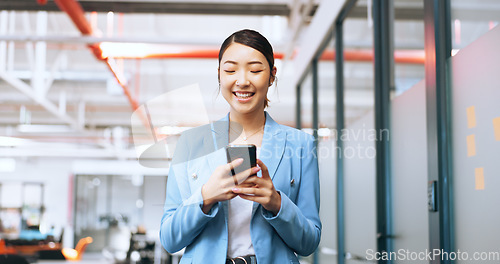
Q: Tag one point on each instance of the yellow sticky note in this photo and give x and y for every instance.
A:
(479, 179)
(471, 145)
(471, 117)
(496, 128)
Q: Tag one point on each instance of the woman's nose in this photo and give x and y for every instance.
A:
(242, 80)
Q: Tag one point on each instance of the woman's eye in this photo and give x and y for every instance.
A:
(228, 71)
(257, 71)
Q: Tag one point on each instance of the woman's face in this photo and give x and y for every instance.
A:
(245, 77)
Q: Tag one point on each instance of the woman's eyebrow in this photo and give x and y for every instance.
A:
(249, 63)
(255, 62)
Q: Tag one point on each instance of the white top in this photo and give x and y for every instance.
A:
(238, 223)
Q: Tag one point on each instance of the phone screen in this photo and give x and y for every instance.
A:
(247, 152)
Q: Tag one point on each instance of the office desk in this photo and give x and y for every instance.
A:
(33, 249)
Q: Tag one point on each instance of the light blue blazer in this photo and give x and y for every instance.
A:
(290, 156)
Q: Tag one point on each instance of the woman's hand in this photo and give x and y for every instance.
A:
(220, 184)
(260, 190)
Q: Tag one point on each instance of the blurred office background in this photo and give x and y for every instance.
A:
(407, 119)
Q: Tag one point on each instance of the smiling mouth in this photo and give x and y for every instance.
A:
(243, 95)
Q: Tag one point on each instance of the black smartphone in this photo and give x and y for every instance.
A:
(247, 152)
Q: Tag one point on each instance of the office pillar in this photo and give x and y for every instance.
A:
(383, 20)
(437, 81)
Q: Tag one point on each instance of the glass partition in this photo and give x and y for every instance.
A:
(476, 148)
(471, 19)
(408, 140)
(327, 155)
(359, 141)
(359, 188)
(409, 54)
(476, 128)
(306, 101)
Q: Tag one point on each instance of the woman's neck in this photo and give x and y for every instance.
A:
(250, 121)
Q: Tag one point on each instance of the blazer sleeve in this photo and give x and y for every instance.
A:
(298, 224)
(183, 219)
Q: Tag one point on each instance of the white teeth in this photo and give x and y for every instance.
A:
(243, 95)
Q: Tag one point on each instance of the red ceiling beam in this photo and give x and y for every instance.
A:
(167, 51)
(75, 12)
(77, 15)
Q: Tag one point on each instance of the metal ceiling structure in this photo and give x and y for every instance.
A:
(53, 88)
(56, 93)
(271, 8)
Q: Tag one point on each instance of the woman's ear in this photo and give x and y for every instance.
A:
(218, 74)
(273, 76)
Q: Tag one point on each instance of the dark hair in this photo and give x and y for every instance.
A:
(252, 39)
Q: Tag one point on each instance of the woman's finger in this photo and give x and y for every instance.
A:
(265, 172)
(253, 198)
(247, 184)
(254, 180)
(242, 176)
(233, 164)
(246, 190)
(230, 195)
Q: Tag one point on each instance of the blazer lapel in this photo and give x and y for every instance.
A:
(272, 149)
(273, 145)
(217, 140)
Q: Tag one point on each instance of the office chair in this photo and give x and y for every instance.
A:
(77, 253)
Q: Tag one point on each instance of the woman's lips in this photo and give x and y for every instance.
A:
(243, 96)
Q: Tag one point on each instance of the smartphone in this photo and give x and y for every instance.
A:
(247, 152)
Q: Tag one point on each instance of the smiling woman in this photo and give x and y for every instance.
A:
(245, 78)
(267, 218)
(253, 51)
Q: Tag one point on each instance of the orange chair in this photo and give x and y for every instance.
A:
(76, 254)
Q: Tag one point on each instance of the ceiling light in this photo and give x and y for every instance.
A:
(12, 142)
(151, 50)
(44, 129)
